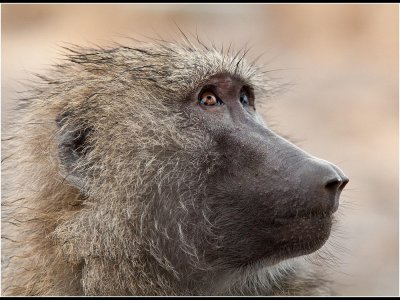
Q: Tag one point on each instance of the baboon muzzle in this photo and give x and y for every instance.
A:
(280, 196)
(276, 173)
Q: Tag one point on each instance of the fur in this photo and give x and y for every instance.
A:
(125, 213)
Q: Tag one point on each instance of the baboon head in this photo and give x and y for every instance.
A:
(178, 174)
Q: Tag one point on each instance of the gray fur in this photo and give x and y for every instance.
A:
(126, 214)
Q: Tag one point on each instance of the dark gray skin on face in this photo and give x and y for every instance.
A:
(281, 198)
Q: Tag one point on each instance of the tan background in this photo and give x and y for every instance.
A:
(343, 107)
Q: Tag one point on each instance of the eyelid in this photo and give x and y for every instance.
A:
(208, 88)
(246, 90)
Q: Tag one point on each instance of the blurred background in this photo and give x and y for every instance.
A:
(342, 104)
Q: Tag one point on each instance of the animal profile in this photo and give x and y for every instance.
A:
(147, 170)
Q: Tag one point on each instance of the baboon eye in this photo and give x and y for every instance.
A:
(209, 99)
(243, 98)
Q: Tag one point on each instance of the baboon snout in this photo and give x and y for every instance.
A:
(326, 180)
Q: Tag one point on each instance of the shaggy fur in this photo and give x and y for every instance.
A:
(124, 212)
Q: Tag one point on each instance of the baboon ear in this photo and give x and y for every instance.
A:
(72, 148)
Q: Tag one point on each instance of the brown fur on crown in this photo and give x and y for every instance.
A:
(65, 240)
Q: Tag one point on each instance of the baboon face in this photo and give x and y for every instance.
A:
(187, 166)
(269, 199)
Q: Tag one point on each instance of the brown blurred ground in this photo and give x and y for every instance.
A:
(344, 106)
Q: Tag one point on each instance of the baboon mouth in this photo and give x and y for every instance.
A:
(313, 217)
(298, 236)
(303, 235)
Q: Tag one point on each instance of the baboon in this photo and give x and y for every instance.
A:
(146, 170)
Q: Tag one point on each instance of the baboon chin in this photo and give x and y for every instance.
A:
(148, 171)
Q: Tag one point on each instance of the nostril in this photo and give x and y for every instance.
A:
(334, 183)
(345, 180)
